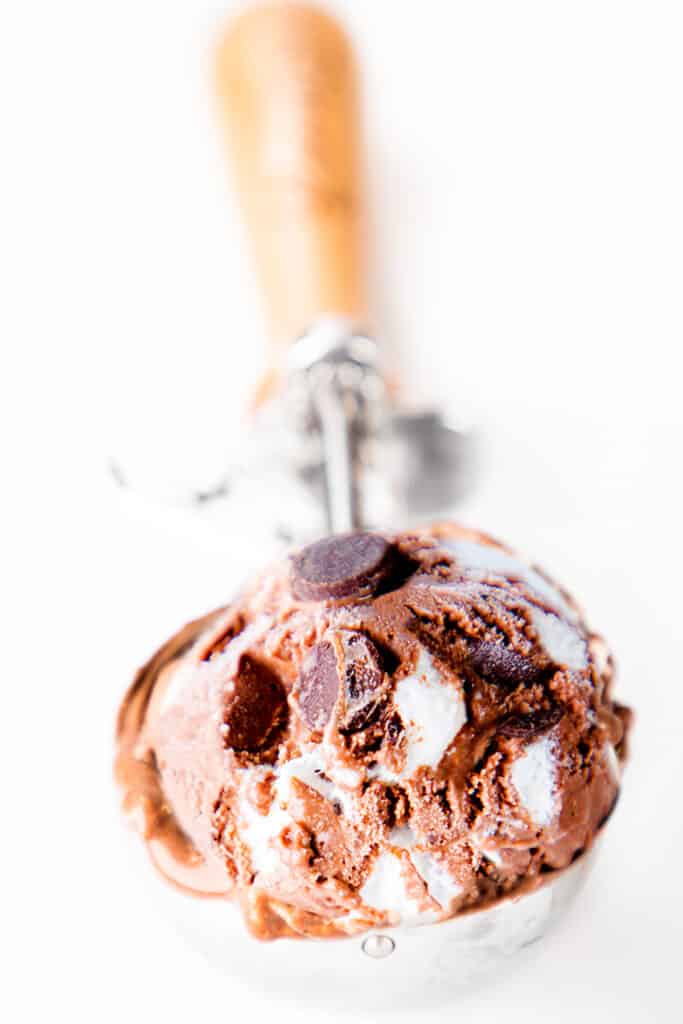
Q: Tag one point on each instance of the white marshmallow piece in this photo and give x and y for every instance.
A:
(433, 712)
(385, 890)
(561, 641)
(485, 560)
(441, 886)
(259, 830)
(309, 769)
(403, 837)
(494, 856)
(533, 776)
(612, 761)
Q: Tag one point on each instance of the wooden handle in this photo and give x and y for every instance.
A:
(289, 100)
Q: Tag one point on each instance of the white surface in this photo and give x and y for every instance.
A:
(526, 162)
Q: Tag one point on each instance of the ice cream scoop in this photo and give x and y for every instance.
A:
(404, 741)
(380, 730)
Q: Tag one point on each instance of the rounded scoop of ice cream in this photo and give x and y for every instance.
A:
(381, 730)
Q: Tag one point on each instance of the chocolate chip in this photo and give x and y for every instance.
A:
(502, 666)
(317, 686)
(394, 728)
(256, 707)
(340, 567)
(363, 678)
(352, 659)
(534, 724)
(397, 808)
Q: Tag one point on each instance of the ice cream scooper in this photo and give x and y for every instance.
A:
(327, 435)
(403, 742)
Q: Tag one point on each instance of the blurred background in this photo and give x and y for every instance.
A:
(524, 168)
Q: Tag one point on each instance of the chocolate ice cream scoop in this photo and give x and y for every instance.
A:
(381, 729)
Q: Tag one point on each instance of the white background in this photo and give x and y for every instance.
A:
(525, 180)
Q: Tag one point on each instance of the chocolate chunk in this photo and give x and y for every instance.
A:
(352, 660)
(502, 666)
(532, 725)
(397, 806)
(363, 678)
(256, 707)
(317, 686)
(337, 568)
(394, 728)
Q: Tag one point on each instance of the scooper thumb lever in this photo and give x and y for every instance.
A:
(289, 100)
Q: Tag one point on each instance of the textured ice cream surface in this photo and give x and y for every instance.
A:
(380, 730)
